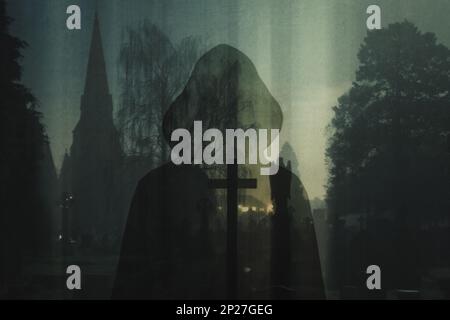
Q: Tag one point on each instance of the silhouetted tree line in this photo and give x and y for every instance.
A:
(388, 156)
(22, 226)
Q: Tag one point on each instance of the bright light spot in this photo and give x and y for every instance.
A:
(269, 208)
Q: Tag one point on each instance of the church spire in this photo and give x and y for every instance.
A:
(96, 77)
(96, 154)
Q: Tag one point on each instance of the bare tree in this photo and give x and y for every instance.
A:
(152, 71)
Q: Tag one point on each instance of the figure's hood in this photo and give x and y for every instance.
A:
(224, 91)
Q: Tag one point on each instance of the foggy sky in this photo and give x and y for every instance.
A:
(305, 52)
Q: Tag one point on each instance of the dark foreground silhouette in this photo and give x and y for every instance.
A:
(175, 242)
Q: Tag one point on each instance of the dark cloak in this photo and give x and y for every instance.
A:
(174, 243)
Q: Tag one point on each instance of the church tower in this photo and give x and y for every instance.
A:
(96, 154)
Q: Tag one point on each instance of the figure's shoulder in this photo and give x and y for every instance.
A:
(298, 190)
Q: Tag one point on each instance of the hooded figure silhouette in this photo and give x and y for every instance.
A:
(175, 240)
